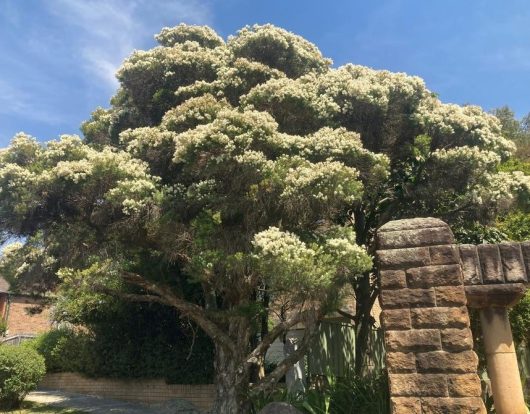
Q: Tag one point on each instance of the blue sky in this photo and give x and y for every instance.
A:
(58, 57)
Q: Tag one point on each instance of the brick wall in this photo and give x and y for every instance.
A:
(143, 391)
(3, 304)
(23, 318)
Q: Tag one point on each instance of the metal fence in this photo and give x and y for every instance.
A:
(16, 339)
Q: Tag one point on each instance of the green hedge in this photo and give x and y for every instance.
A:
(113, 356)
(21, 370)
(64, 350)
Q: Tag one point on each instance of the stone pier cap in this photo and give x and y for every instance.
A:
(494, 275)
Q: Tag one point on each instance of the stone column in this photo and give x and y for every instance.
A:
(502, 361)
(496, 277)
(431, 364)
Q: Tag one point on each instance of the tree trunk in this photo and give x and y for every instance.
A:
(231, 383)
(364, 321)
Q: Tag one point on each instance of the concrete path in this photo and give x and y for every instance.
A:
(92, 404)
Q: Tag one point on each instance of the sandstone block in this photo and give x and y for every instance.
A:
(450, 296)
(415, 238)
(439, 275)
(400, 362)
(490, 263)
(464, 385)
(405, 405)
(407, 298)
(447, 254)
(499, 295)
(418, 385)
(413, 340)
(403, 258)
(469, 405)
(442, 317)
(470, 264)
(455, 340)
(411, 224)
(512, 262)
(525, 249)
(447, 362)
(396, 319)
(392, 279)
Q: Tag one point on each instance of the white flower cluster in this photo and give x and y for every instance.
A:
(469, 157)
(274, 242)
(140, 140)
(230, 134)
(328, 142)
(133, 195)
(291, 265)
(200, 191)
(256, 160)
(70, 161)
(144, 72)
(347, 254)
(334, 144)
(22, 150)
(501, 190)
(167, 61)
(13, 176)
(203, 35)
(193, 112)
(292, 99)
(74, 171)
(278, 49)
(350, 85)
(323, 181)
(67, 148)
(457, 125)
(10, 250)
(233, 81)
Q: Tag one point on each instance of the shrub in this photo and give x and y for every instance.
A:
(113, 355)
(516, 225)
(64, 350)
(355, 394)
(21, 369)
(345, 395)
(3, 327)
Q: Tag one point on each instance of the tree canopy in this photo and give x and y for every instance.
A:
(258, 170)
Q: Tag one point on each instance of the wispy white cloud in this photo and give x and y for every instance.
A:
(107, 31)
(14, 101)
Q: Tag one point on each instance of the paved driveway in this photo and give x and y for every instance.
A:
(99, 405)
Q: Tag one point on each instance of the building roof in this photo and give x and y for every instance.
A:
(4, 285)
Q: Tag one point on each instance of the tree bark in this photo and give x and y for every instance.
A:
(311, 323)
(231, 382)
(366, 294)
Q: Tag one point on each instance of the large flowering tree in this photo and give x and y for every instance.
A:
(260, 173)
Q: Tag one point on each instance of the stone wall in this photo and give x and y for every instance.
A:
(431, 363)
(138, 390)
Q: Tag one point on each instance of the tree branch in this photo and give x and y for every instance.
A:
(191, 310)
(274, 333)
(131, 297)
(347, 315)
(311, 325)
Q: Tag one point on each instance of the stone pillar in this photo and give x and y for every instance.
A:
(496, 277)
(502, 361)
(431, 364)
